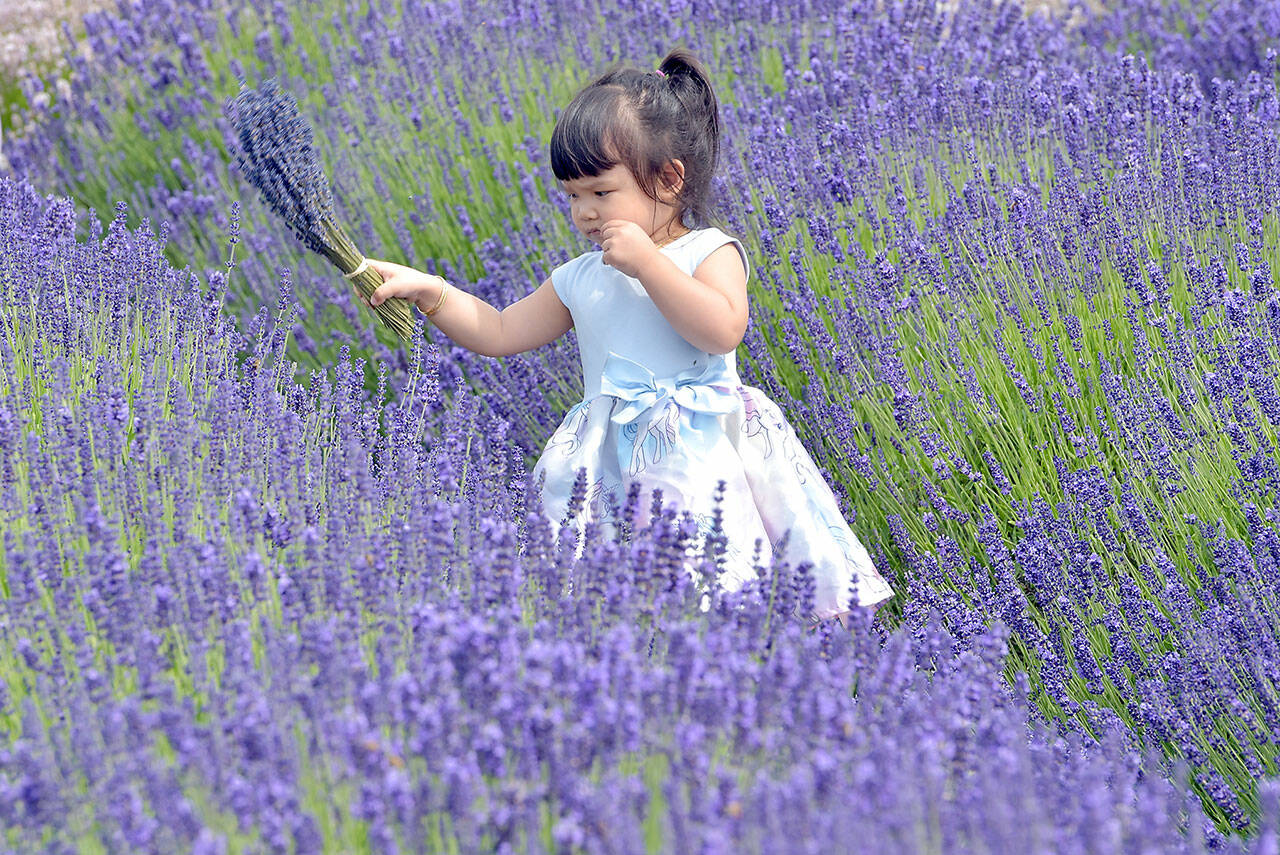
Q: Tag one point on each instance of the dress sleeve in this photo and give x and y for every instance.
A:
(562, 279)
(711, 240)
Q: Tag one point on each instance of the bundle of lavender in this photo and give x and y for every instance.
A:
(278, 157)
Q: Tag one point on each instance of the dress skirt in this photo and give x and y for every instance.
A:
(682, 436)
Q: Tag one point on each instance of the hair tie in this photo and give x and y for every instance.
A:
(660, 72)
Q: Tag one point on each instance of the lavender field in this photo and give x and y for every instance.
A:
(273, 581)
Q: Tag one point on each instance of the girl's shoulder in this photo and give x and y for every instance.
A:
(712, 233)
(700, 243)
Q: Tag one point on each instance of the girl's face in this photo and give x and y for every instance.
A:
(616, 195)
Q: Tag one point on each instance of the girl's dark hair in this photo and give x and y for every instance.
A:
(644, 119)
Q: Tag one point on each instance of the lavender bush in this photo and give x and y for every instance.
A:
(436, 131)
(1227, 39)
(34, 34)
(1017, 291)
(237, 618)
(1052, 395)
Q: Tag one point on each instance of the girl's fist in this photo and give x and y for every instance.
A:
(421, 289)
(627, 247)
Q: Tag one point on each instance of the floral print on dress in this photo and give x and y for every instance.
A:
(682, 438)
(753, 425)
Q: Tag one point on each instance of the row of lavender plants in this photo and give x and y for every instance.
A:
(435, 118)
(239, 617)
(1056, 389)
(1016, 289)
(1054, 334)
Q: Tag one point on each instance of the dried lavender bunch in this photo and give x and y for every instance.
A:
(278, 157)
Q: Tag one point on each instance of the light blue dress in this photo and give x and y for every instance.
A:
(659, 411)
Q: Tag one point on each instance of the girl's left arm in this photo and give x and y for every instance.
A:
(709, 308)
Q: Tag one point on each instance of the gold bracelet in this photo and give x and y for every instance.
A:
(444, 290)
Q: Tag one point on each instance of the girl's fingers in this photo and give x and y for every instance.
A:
(385, 269)
(380, 295)
(389, 289)
(398, 281)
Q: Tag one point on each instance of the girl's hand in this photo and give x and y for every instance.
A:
(627, 247)
(421, 289)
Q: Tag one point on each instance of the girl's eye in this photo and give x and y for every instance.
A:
(602, 192)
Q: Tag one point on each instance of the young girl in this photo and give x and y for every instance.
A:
(659, 311)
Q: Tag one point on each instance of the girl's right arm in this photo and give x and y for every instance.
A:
(531, 322)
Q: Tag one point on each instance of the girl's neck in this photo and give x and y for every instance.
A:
(672, 231)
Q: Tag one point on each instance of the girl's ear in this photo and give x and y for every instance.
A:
(672, 177)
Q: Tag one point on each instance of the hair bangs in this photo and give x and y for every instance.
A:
(586, 140)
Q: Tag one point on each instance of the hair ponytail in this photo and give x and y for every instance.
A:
(690, 83)
(645, 119)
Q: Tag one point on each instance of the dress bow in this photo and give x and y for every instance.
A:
(708, 390)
